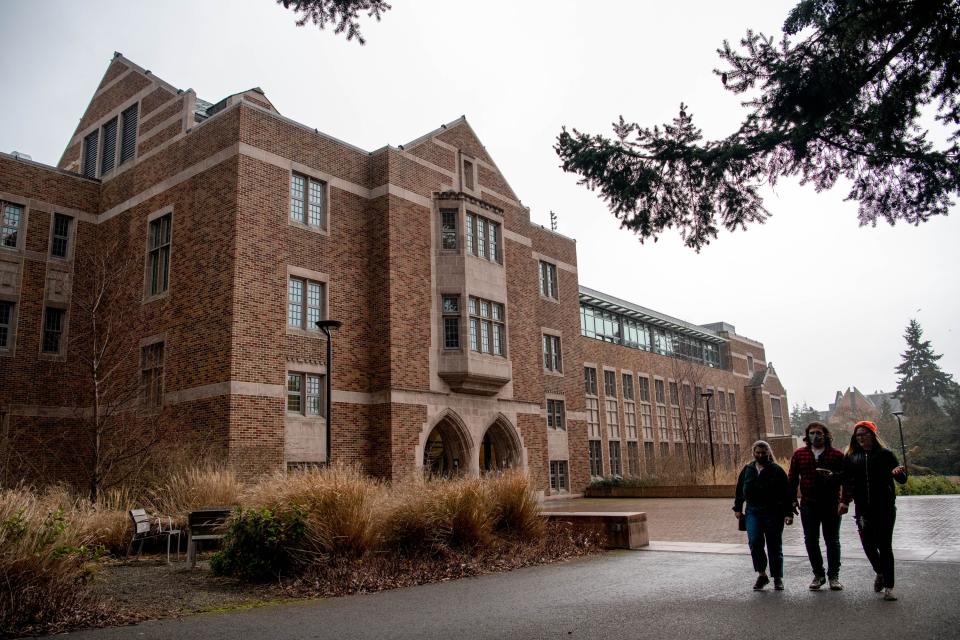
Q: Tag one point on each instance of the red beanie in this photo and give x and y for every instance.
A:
(867, 424)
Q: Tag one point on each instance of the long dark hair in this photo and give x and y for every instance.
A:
(854, 446)
(827, 437)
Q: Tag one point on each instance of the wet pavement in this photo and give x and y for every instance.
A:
(928, 527)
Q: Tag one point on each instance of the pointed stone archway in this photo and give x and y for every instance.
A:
(447, 448)
(500, 448)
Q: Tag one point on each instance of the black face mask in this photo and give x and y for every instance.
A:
(762, 458)
(816, 439)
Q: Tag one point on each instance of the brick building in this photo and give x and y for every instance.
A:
(467, 342)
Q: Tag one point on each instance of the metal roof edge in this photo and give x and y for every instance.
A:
(648, 315)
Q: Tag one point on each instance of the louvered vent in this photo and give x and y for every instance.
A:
(90, 154)
(109, 146)
(128, 143)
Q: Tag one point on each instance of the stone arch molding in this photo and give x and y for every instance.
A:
(446, 448)
(501, 447)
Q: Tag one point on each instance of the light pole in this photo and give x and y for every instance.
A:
(903, 449)
(325, 326)
(713, 463)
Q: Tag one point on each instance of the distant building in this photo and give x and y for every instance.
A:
(851, 406)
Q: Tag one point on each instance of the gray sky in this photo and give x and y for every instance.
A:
(829, 300)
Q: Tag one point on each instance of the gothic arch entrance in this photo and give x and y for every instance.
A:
(500, 447)
(446, 449)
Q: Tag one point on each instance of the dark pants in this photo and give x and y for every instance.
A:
(765, 529)
(876, 536)
(814, 518)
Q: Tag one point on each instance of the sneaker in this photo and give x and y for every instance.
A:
(762, 581)
(818, 581)
(778, 584)
(878, 583)
(888, 594)
(835, 584)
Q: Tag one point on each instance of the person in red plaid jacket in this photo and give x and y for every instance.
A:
(816, 470)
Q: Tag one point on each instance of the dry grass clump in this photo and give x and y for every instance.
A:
(42, 563)
(337, 503)
(516, 510)
(191, 488)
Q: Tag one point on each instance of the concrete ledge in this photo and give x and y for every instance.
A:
(675, 491)
(627, 530)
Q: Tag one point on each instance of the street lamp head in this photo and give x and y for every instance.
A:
(897, 413)
(328, 324)
(707, 394)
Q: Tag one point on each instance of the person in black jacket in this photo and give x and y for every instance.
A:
(763, 485)
(869, 469)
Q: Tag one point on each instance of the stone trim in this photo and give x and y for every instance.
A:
(116, 80)
(48, 207)
(426, 163)
(560, 264)
(516, 237)
(160, 127)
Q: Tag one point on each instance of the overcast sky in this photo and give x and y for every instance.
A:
(829, 300)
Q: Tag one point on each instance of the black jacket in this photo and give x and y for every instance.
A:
(868, 480)
(768, 489)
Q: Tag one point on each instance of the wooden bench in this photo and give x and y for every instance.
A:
(626, 530)
(207, 523)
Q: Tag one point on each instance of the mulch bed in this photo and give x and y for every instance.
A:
(127, 592)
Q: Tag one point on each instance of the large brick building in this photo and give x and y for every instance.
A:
(467, 342)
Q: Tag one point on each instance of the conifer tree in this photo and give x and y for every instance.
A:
(343, 15)
(921, 378)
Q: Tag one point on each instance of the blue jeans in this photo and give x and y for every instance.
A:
(814, 518)
(765, 529)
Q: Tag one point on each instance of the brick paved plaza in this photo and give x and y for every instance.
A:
(928, 527)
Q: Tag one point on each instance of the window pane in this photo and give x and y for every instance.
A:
(11, 224)
(451, 304)
(297, 191)
(294, 390)
(295, 303)
(451, 332)
(474, 337)
(485, 337)
(501, 340)
(6, 317)
(314, 304)
(481, 237)
(494, 242)
(316, 205)
(448, 228)
(471, 233)
(313, 395)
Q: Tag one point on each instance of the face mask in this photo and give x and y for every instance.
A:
(762, 458)
(816, 439)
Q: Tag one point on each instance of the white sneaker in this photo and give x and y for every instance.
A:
(888, 594)
(835, 584)
(818, 581)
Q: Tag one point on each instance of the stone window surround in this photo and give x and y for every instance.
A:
(115, 113)
(564, 486)
(463, 206)
(146, 342)
(556, 280)
(547, 331)
(462, 159)
(10, 349)
(61, 355)
(460, 325)
(24, 222)
(316, 176)
(315, 276)
(147, 298)
(557, 397)
(496, 219)
(591, 365)
(306, 368)
(71, 238)
(633, 384)
(506, 328)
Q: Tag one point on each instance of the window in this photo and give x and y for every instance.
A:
(488, 333)
(633, 459)
(629, 407)
(646, 420)
(596, 458)
(552, 360)
(61, 235)
(10, 217)
(158, 254)
(722, 413)
(53, 321)
(304, 394)
(483, 238)
(109, 155)
(675, 412)
(661, 410)
(548, 280)
(6, 323)
(304, 303)
(308, 201)
(556, 418)
(590, 381)
(451, 322)
(610, 400)
(777, 416)
(750, 365)
(558, 476)
(648, 458)
(615, 468)
(448, 229)
(151, 374)
(610, 383)
(732, 403)
(128, 139)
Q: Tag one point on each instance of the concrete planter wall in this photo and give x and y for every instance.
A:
(686, 491)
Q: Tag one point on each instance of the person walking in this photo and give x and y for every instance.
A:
(815, 470)
(869, 469)
(764, 487)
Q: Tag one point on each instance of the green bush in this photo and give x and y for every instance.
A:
(927, 486)
(261, 544)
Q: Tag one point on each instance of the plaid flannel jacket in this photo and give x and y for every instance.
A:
(814, 488)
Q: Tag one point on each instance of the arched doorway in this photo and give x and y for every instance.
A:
(446, 449)
(500, 447)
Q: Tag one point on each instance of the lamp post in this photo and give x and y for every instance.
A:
(325, 326)
(903, 448)
(713, 463)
